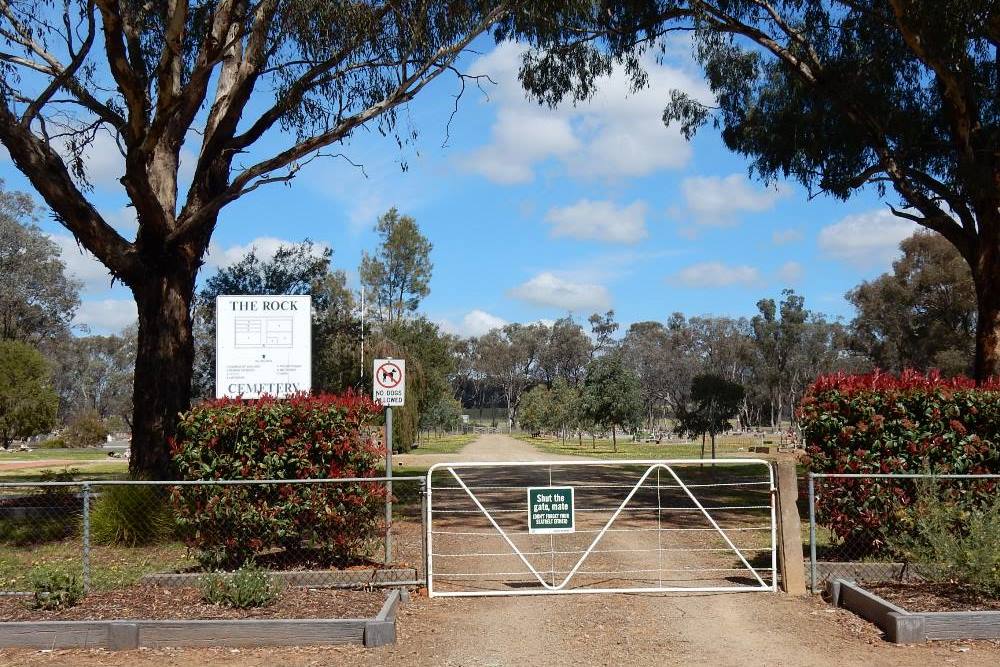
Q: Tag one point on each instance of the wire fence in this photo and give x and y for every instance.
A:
(881, 527)
(112, 535)
(591, 526)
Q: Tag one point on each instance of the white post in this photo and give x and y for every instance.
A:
(388, 486)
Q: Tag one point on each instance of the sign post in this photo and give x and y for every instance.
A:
(389, 389)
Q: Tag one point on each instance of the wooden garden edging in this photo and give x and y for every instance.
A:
(904, 627)
(128, 634)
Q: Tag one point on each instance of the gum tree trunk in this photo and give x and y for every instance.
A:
(163, 368)
(986, 273)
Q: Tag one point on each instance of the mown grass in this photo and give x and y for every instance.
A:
(447, 444)
(82, 454)
(604, 449)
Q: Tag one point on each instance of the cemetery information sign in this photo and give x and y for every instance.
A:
(550, 510)
(389, 382)
(263, 345)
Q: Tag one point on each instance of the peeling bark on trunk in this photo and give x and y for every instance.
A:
(986, 273)
(163, 369)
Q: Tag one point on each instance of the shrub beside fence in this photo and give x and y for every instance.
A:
(880, 424)
(116, 534)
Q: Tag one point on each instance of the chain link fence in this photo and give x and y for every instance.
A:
(112, 535)
(865, 527)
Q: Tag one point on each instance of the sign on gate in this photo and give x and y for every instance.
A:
(550, 510)
(389, 384)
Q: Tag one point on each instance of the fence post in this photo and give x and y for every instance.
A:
(423, 525)
(793, 576)
(812, 532)
(86, 537)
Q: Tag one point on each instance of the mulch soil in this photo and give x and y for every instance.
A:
(919, 597)
(155, 603)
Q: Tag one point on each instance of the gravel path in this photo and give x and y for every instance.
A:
(493, 447)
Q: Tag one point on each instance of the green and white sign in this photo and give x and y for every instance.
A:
(550, 510)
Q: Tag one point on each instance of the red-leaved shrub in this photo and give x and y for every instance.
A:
(881, 423)
(304, 437)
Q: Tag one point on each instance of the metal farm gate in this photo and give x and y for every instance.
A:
(600, 526)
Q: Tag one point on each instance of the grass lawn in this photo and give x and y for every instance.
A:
(84, 471)
(447, 444)
(81, 454)
(603, 448)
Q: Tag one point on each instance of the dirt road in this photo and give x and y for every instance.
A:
(603, 629)
(494, 447)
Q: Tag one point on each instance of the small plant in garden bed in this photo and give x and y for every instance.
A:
(298, 438)
(948, 543)
(245, 588)
(54, 589)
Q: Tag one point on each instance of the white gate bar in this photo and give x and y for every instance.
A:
(653, 465)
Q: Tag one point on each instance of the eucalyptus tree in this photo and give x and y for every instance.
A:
(398, 275)
(253, 90)
(840, 95)
(38, 300)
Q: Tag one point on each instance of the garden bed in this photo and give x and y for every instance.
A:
(935, 612)
(147, 616)
(155, 603)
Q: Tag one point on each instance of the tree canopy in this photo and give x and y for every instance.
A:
(247, 93)
(38, 300)
(840, 95)
(397, 276)
(28, 403)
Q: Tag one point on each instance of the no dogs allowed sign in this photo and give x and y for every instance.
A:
(550, 510)
(389, 384)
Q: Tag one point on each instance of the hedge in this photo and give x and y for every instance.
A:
(881, 423)
(322, 436)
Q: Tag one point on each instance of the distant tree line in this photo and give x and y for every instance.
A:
(565, 377)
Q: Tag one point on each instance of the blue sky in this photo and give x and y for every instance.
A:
(534, 213)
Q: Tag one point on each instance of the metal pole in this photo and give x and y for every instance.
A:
(423, 526)
(812, 533)
(388, 485)
(86, 538)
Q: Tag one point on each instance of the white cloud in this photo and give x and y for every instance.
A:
(548, 289)
(790, 273)
(103, 316)
(265, 246)
(716, 274)
(717, 202)
(617, 133)
(865, 239)
(82, 265)
(786, 236)
(474, 323)
(600, 221)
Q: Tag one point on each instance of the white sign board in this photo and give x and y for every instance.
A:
(263, 345)
(389, 384)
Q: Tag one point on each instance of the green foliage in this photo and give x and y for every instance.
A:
(297, 438)
(246, 588)
(55, 589)
(922, 314)
(131, 516)
(85, 430)
(611, 395)
(443, 413)
(28, 403)
(716, 401)
(535, 408)
(948, 542)
(883, 424)
(50, 443)
(38, 300)
(397, 277)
